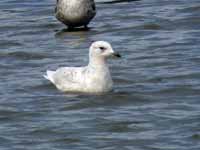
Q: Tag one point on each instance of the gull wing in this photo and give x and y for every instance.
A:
(69, 77)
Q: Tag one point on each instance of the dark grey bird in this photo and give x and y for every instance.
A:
(75, 13)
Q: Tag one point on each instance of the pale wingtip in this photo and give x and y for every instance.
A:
(49, 75)
(46, 77)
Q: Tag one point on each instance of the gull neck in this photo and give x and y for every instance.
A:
(97, 62)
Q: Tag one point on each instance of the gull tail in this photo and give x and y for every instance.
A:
(49, 75)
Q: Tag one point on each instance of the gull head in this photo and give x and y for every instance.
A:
(102, 50)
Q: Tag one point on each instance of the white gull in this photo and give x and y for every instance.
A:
(93, 78)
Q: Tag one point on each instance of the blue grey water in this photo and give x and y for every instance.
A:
(155, 104)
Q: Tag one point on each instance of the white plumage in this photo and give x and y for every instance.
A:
(93, 78)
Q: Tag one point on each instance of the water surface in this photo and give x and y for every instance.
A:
(156, 99)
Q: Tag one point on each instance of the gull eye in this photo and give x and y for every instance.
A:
(102, 48)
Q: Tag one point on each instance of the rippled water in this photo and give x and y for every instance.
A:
(156, 99)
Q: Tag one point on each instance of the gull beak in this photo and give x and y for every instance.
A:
(115, 54)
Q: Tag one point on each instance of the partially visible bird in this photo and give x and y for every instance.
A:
(93, 78)
(75, 13)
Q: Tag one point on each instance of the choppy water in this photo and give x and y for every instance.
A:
(156, 99)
